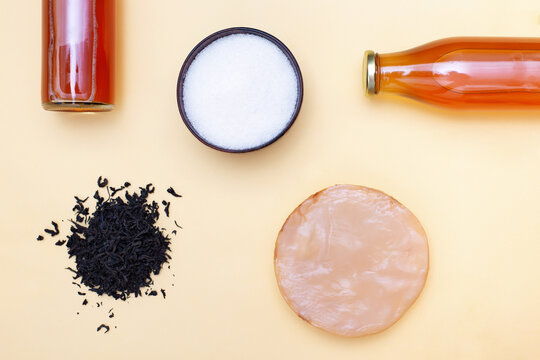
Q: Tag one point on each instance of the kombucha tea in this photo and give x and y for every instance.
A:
(463, 72)
(78, 55)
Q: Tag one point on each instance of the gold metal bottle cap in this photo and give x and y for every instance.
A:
(369, 72)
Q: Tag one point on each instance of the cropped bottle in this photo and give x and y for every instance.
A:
(462, 72)
(78, 55)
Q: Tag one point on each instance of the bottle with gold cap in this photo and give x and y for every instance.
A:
(464, 72)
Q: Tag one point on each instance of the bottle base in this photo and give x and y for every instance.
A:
(77, 106)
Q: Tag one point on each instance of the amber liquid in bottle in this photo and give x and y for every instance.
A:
(78, 55)
(461, 72)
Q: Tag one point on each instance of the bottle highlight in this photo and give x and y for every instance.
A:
(78, 55)
(461, 72)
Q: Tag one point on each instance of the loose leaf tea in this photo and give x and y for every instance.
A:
(53, 232)
(172, 192)
(167, 206)
(117, 246)
(102, 182)
(103, 326)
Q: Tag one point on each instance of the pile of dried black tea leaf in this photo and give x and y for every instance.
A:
(118, 246)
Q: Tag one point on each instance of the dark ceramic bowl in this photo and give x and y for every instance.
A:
(200, 46)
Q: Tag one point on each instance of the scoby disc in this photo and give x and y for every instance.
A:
(351, 260)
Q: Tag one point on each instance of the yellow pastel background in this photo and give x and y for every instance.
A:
(472, 179)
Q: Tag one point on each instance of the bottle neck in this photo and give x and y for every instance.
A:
(395, 73)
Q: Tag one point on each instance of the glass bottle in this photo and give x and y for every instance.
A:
(461, 72)
(78, 55)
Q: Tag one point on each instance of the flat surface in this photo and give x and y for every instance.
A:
(472, 179)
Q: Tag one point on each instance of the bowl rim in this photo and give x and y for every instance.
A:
(207, 41)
